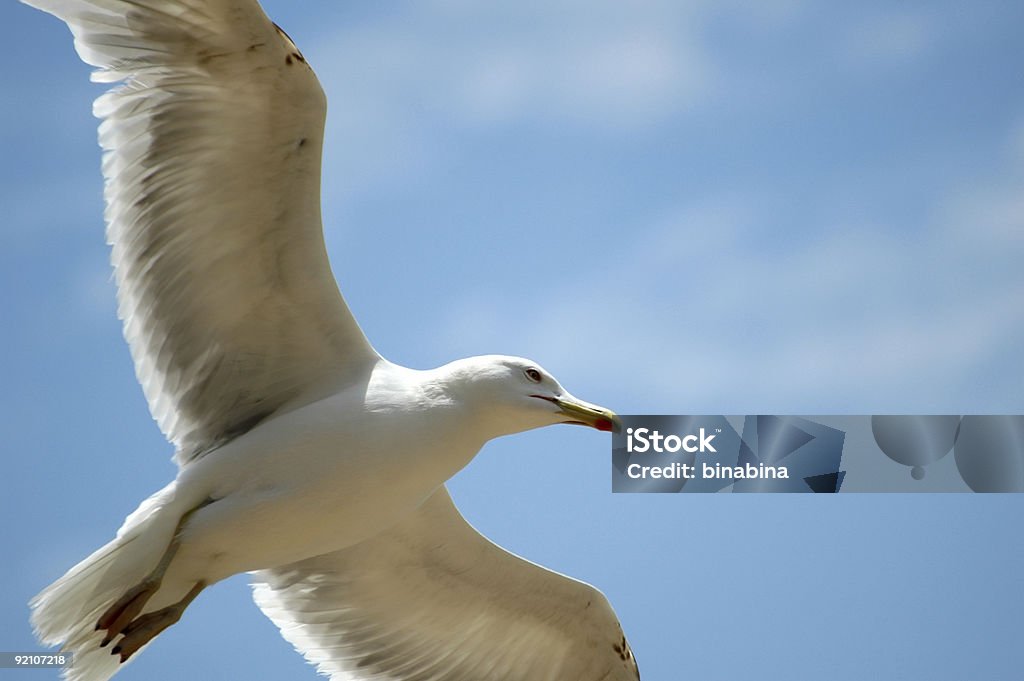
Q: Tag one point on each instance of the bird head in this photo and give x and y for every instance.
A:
(513, 394)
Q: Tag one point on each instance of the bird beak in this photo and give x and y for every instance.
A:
(586, 414)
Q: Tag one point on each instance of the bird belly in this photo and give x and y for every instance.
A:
(307, 484)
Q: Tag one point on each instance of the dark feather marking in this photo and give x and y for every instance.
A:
(206, 56)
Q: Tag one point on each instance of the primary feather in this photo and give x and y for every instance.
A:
(212, 160)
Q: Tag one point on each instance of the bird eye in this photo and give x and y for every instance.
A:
(533, 374)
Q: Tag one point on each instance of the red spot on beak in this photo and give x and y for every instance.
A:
(604, 425)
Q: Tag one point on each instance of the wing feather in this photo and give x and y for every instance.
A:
(433, 600)
(212, 166)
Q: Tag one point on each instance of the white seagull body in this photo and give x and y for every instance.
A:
(303, 455)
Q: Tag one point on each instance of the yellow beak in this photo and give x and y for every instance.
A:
(586, 414)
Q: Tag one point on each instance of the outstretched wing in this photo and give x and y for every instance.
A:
(212, 165)
(433, 600)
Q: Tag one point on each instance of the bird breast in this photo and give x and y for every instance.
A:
(314, 480)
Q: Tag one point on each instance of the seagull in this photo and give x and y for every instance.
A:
(304, 457)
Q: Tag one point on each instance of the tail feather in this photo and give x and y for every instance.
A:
(65, 613)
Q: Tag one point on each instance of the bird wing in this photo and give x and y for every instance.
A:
(212, 165)
(433, 600)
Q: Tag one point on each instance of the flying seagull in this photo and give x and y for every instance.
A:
(303, 455)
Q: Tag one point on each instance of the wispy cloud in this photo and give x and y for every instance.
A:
(898, 35)
(696, 315)
(397, 88)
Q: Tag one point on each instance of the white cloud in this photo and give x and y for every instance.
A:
(605, 65)
(897, 36)
(698, 316)
(987, 214)
(989, 217)
(604, 80)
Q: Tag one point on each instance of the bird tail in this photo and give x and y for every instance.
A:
(65, 613)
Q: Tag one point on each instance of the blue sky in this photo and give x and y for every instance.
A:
(676, 207)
